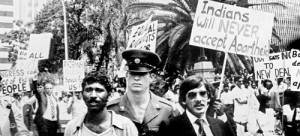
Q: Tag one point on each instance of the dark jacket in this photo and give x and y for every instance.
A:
(42, 102)
(181, 126)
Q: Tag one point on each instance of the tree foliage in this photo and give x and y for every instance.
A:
(175, 20)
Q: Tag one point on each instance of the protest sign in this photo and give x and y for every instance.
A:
(30, 67)
(295, 70)
(39, 46)
(143, 37)
(73, 73)
(279, 65)
(14, 81)
(22, 54)
(232, 29)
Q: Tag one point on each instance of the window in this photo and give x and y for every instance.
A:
(6, 13)
(29, 3)
(6, 2)
(29, 13)
(36, 3)
(6, 25)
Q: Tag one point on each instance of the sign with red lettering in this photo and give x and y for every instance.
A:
(14, 81)
(232, 29)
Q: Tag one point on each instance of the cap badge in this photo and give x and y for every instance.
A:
(137, 61)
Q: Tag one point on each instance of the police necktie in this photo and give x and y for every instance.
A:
(200, 130)
(52, 108)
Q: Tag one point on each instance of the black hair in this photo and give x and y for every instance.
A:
(245, 81)
(263, 100)
(266, 81)
(191, 83)
(96, 77)
(237, 78)
(225, 85)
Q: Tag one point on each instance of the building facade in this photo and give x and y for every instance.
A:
(11, 10)
(287, 23)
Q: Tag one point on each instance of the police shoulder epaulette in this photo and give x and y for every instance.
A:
(164, 101)
(113, 102)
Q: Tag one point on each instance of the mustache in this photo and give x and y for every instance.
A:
(94, 99)
(199, 104)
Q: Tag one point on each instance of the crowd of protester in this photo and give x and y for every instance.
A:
(240, 105)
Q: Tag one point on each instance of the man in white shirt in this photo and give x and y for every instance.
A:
(47, 116)
(272, 91)
(240, 106)
(11, 121)
(227, 98)
(195, 93)
(76, 105)
(99, 121)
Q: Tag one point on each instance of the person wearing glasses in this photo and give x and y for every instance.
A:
(195, 94)
(139, 104)
(99, 121)
(241, 112)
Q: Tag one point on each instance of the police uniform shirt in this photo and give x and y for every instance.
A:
(158, 110)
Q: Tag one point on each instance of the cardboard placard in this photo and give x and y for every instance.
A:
(14, 81)
(39, 46)
(232, 29)
(73, 73)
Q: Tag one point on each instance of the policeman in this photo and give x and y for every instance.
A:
(139, 104)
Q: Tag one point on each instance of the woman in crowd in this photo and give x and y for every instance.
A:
(290, 116)
(263, 123)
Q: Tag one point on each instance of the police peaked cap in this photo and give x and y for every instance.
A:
(140, 60)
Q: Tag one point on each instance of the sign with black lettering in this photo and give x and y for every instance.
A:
(279, 65)
(73, 73)
(14, 81)
(143, 36)
(295, 70)
(39, 46)
(232, 29)
(22, 54)
(30, 67)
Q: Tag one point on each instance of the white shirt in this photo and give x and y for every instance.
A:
(47, 114)
(227, 98)
(204, 122)
(87, 132)
(79, 107)
(288, 112)
(240, 110)
(265, 121)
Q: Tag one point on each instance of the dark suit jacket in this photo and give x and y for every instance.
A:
(42, 102)
(181, 126)
(210, 112)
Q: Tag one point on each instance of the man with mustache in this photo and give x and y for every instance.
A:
(139, 104)
(98, 120)
(195, 94)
